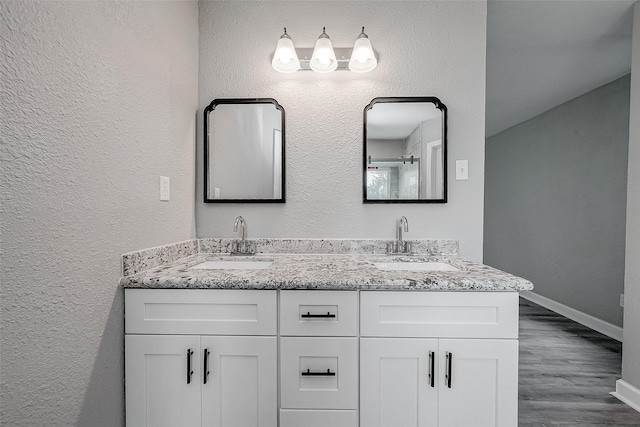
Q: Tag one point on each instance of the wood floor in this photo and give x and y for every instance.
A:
(566, 373)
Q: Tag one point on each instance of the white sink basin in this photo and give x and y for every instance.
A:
(233, 265)
(415, 266)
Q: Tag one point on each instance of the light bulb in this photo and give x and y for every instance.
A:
(362, 58)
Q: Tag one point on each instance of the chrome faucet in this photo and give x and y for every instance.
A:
(400, 246)
(402, 222)
(242, 246)
(243, 227)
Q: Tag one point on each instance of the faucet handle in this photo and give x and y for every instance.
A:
(243, 247)
(407, 247)
(389, 248)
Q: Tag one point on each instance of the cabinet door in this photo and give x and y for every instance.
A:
(484, 383)
(157, 393)
(395, 383)
(241, 388)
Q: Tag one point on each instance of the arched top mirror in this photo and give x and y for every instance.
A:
(244, 151)
(405, 151)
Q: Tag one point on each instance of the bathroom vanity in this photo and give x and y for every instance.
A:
(345, 337)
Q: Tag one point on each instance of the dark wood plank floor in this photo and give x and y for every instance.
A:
(566, 373)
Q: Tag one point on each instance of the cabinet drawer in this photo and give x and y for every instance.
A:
(317, 418)
(200, 311)
(319, 313)
(439, 314)
(319, 373)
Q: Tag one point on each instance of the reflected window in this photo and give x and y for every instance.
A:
(378, 183)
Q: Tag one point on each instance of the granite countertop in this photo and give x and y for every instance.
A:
(325, 271)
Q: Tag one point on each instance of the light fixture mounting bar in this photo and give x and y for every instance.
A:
(343, 55)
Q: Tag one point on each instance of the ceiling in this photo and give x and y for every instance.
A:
(543, 53)
(396, 120)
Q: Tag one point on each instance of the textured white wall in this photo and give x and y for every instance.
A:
(424, 49)
(631, 338)
(98, 100)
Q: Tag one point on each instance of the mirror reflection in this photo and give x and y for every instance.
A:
(244, 151)
(405, 151)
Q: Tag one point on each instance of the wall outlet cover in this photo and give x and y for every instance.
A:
(165, 188)
(462, 170)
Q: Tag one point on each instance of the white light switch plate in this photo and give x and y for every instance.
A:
(165, 188)
(462, 170)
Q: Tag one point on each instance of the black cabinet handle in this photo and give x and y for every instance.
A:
(447, 375)
(318, 374)
(432, 365)
(189, 371)
(206, 365)
(318, 316)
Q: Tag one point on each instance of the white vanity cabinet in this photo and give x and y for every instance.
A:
(316, 358)
(439, 359)
(201, 358)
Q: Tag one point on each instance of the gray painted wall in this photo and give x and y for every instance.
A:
(425, 48)
(98, 101)
(631, 347)
(555, 201)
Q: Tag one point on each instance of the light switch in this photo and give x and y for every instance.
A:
(165, 188)
(462, 170)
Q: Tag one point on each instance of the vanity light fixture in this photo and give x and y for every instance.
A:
(324, 58)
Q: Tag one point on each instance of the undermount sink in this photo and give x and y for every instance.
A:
(233, 265)
(415, 266)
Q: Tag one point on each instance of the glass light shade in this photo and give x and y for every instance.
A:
(362, 59)
(285, 59)
(323, 59)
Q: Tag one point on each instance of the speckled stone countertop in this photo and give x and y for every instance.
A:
(324, 271)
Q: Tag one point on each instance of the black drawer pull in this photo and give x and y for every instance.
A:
(318, 316)
(432, 365)
(449, 368)
(189, 371)
(206, 365)
(318, 374)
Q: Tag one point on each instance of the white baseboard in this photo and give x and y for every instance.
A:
(585, 319)
(628, 394)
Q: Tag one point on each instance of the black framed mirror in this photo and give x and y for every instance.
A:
(244, 155)
(405, 150)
